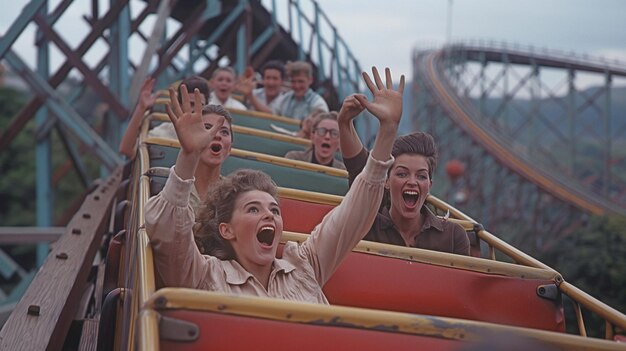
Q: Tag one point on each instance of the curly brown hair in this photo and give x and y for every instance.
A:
(220, 205)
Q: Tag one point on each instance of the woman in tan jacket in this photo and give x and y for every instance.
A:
(243, 216)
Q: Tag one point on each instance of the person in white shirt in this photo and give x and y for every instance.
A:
(223, 81)
(267, 98)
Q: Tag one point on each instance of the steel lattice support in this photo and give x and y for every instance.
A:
(518, 132)
(488, 191)
(43, 152)
(178, 38)
(558, 116)
(241, 31)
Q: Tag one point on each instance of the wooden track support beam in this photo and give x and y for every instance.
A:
(43, 316)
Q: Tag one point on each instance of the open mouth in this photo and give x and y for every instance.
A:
(325, 146)
(216, 148)
(410, 197)
(266, 235)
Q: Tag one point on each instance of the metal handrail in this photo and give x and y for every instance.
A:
(146, 333)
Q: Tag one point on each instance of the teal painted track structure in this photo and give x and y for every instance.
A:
(524, 164)
(175, 39)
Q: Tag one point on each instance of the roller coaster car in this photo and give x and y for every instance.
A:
(382, 296)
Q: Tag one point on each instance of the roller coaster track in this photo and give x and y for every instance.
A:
(116, 305)
(465, 116)
(542, 57)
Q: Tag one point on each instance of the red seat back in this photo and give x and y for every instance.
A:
(384, 283)
(302, 216)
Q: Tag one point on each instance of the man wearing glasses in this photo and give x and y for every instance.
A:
(325, 143)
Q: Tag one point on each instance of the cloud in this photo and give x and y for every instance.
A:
(382, 38)
(386, 32)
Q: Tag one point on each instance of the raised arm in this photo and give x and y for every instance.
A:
(128, 144)
(246, 86)
(348, 138)
(343, 227)
(190, 130)
(169, 217)
(386, 107)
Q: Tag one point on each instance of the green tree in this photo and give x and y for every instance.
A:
(17, 166)
(18, 169)
(593, 258)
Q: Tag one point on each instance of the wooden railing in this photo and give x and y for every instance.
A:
(42, 318)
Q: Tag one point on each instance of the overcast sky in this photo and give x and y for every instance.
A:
(384, 33)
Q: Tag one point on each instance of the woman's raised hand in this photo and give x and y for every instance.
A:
(387, 103)
(146, 96)
(350, 108)
(190, 129)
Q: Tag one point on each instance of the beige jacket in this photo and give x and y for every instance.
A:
(298, 275)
